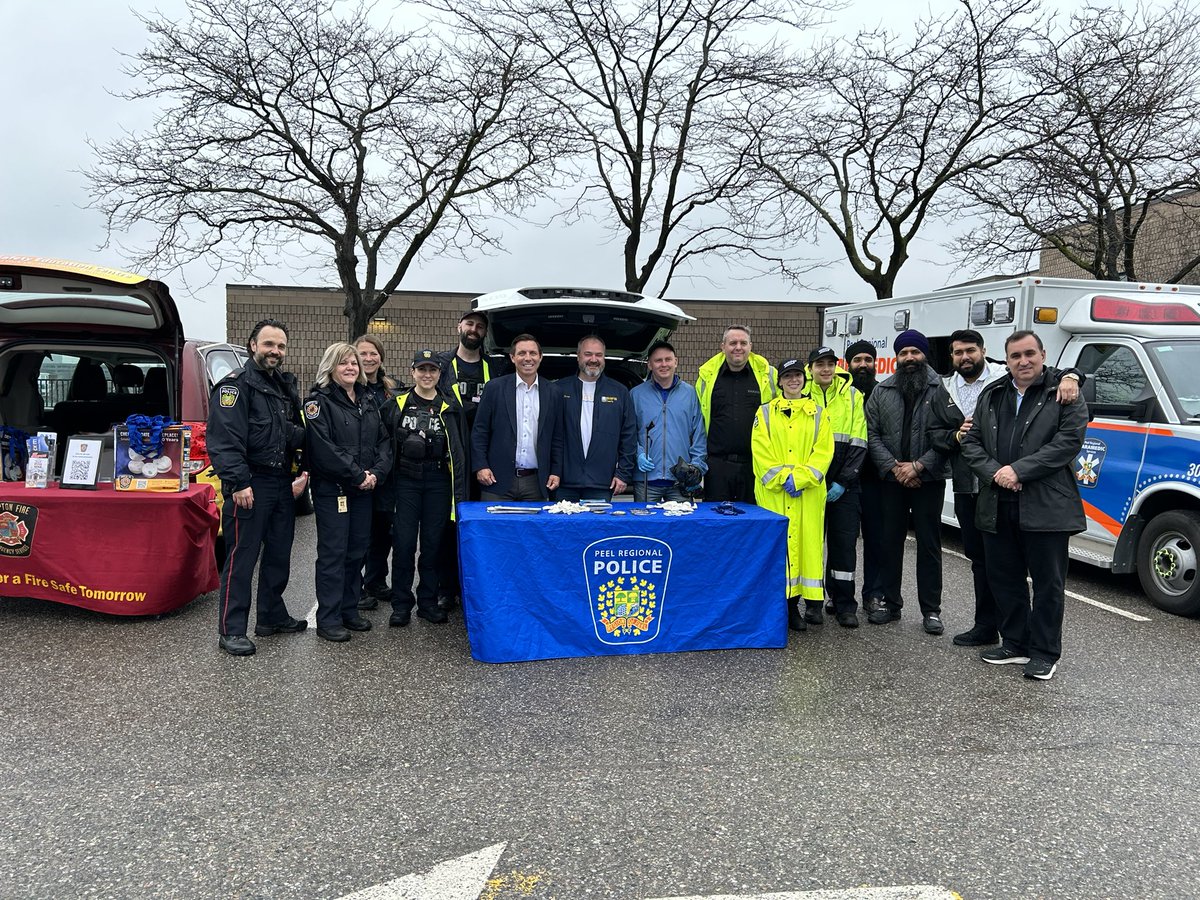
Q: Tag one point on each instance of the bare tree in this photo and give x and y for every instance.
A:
(1115, 191)
(866, 138)
(651, 88)
(287, 125)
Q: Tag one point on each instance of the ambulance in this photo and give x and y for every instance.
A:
(1139, 345)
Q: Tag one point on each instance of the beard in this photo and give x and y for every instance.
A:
(968, 368)
(471, 341)
(911, 378)
(863, 379)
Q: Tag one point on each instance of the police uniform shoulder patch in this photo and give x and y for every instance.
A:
(312, 409)
(228, 395)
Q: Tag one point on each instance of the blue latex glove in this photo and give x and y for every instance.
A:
(789, 485)
(645, 463)
(835, 493)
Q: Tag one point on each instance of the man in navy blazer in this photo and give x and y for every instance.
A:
(599, 429)
(514, 441)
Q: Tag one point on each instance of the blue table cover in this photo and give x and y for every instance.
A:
(545, 586)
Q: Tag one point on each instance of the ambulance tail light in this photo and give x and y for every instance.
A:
(1004, 310)
(1116, 309)
(830, 327)
(900, 320)
(1045, 315)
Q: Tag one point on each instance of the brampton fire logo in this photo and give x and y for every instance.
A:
(1088, 463)
(627, 587)
(17, 522)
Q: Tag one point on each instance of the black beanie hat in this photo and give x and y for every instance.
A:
(860, 347)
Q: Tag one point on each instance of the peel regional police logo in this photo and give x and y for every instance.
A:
(1087, 464)
(627, 587)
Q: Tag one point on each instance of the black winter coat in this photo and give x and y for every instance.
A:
(253, 426)
(1047, 449)
(345, 438)
(885, 420)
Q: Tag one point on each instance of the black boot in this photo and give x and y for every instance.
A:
(795, 618)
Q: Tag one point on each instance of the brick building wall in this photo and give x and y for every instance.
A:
(414, 319)
(1167, 241)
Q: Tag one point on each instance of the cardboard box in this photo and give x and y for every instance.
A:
(132, 472)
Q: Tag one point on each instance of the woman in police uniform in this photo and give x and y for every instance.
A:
(383, 387)
(430, 476)
(349, 454)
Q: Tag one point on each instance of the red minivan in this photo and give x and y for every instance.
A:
(82, 347)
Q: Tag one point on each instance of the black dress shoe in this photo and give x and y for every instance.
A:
(357, 624)
(812, 612)
(884, 613)
(368, 601)
(435, 616)
(400, 619)
(288, 626)
(334, 633)
(236, 644)
(847, 620)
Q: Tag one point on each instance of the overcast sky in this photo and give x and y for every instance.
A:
(61, 63)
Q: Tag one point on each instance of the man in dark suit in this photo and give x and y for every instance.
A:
(599, 429)
(513, 440)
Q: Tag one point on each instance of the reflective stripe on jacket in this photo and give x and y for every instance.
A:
(793, 438)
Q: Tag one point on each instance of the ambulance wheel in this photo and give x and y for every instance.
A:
(1168, 556)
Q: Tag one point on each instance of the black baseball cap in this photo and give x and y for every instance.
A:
(791, 365)
(426, 358)
(478, 313)
(822, 353)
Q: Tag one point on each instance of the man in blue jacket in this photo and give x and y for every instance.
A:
(670, 428)
(598, 426)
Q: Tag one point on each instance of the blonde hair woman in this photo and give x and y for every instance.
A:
(348, 453)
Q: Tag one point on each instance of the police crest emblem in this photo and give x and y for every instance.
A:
(312, 409)
(228, 395)
(627, 587)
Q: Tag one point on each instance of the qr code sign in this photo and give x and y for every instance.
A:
(79, 471)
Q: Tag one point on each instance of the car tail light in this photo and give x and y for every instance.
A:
(198, 459)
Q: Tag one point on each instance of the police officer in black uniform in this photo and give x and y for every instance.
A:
(465, 370)
(430, 476)
(349, 455)
(254, 432)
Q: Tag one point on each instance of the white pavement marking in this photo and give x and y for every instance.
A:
(456, 879)
(1112, 609)
(1098, 604)
(910, 892)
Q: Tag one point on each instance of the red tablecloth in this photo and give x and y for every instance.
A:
(132, 553)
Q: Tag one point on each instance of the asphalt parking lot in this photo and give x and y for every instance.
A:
(139, 761)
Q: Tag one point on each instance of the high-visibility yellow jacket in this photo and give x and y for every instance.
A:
(794, 438)
(843, 404)
(764, 374)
